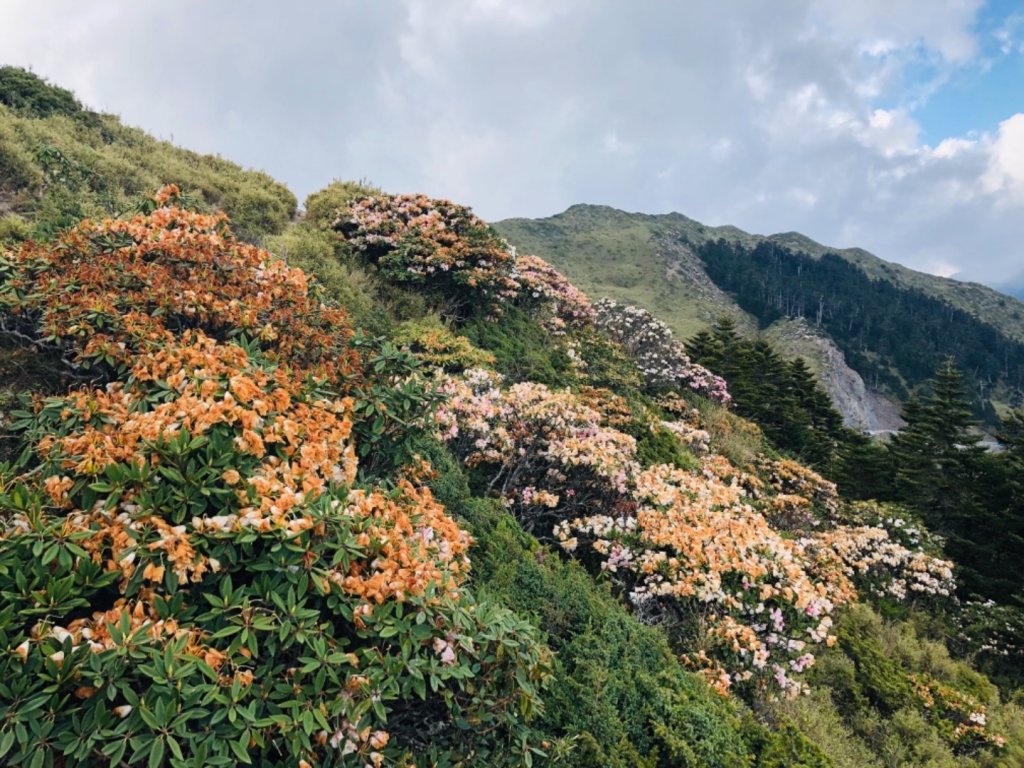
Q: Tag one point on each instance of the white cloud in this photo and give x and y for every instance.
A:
(1005, 175)
(795, 115)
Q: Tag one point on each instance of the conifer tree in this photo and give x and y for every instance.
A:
(1011, 435)
(943, 472)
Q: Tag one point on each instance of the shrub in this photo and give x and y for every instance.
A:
(605, 364)
(661, 446)
(315, 252)
(438, 347)
(191, 573)
(18, 171)
(323, 207)
(434, 244)
(902, 695)
(543, 286)
(30, 94)
(108, 290)
(659, 356)
(13, 229)
(522, 349)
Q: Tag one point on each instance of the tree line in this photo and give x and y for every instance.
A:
(894, 336)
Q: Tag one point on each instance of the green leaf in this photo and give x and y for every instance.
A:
(156, 753)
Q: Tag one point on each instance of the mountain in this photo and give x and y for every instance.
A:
(879, 329)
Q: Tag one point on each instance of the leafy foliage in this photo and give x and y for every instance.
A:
(438, 347)
(191, 573)
(522, 349)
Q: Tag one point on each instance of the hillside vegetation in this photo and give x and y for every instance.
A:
(61, 162)
(378, 490)
(690, 274)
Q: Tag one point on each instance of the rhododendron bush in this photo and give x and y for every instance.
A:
(444, 247)
(692, 548)
(108, 289)
(540, 283)
(542, 448)
(417, 240)
(191, 573)
(656, 352)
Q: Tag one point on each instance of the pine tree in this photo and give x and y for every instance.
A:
(704, 349)
(943, 472)
(1011, 435)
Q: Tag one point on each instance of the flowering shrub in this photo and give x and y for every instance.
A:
(191, 574)
(542, 448)
(693, 548)
(693, 437)
(540, 283)
(659, 356)
(106, 290)
(875, 562)
(788, 477)
(614, 410)
(417, 240)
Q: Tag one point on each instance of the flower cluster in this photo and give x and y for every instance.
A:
(417, 240)
(872, 560)
(113, 288)
(694, 548)
(691, 435)
(530, 436)
(786, 476)
(416, 546)
(656, 352)
(614, 410)
(540, 283)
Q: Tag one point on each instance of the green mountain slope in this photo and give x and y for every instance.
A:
(60, 162)
(666, 263)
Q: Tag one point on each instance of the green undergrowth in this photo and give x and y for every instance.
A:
(866, 708)
(523, 349)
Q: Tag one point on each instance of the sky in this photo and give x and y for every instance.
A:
(892, 125)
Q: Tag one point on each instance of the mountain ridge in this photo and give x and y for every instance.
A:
(659, 261)
(880, 267)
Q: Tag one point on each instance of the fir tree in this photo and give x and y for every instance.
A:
(943, 472)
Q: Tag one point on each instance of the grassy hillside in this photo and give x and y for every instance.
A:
(60, 162)
(631, 257)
